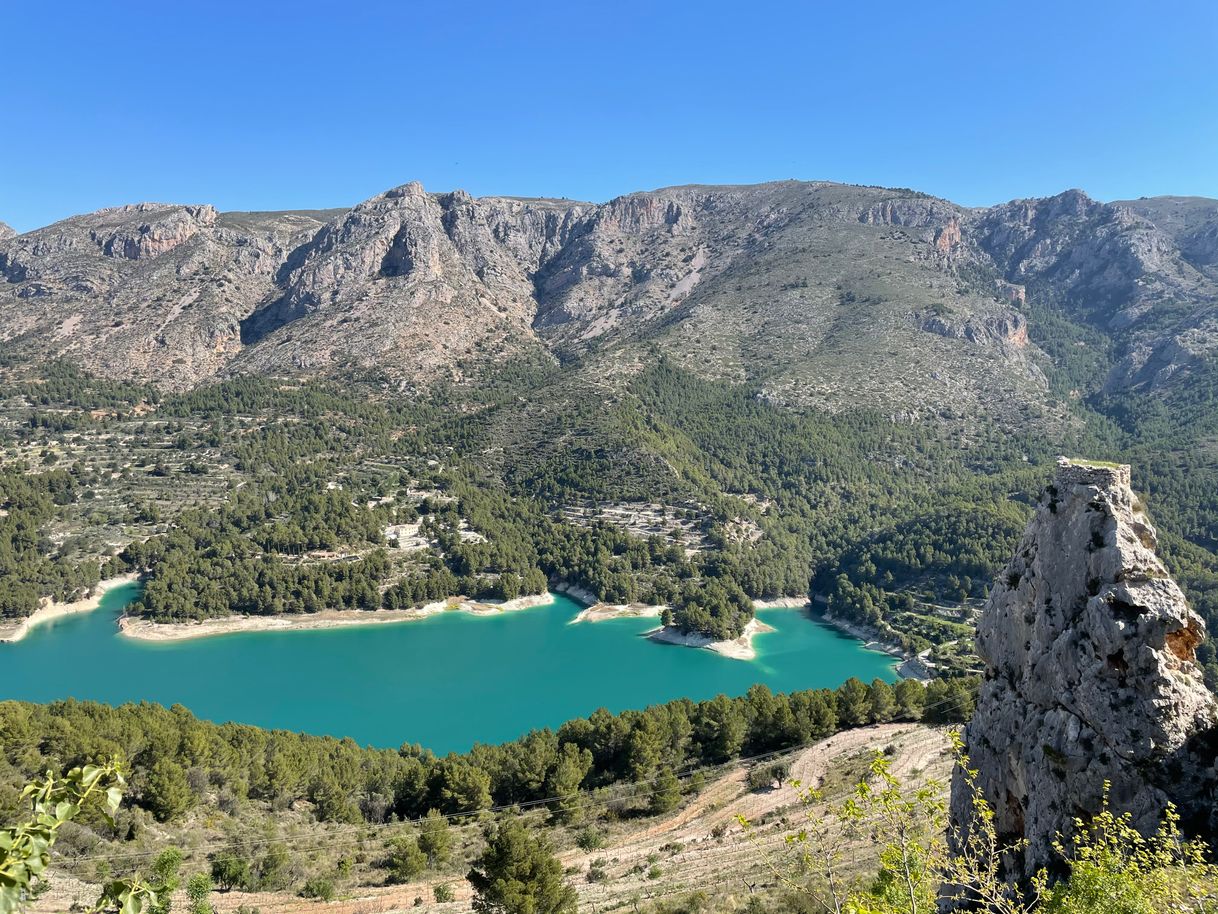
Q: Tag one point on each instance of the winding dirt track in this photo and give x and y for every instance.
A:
(700, 846)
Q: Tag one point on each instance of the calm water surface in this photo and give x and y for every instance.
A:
(445, 682)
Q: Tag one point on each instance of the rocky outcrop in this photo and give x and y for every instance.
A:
(1008, 328)
(164, 230)
(1192, 223)
(1090, 675)
(7, 231)
(151, 291)
(418, 286)
(1141, 272)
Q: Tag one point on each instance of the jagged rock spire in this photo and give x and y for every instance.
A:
(1090, 674)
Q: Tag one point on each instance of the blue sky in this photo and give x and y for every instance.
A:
(262, 105)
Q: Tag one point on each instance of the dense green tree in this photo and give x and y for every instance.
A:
(910, 696)
(165, 874)
(229, 871)
(167, 791)
(883, 702)
(853, 703)
(435, 838)
(665, 792)
(406, 860)
(720, 728)
(461, 786)
(519, 874)
(566, 779)
(950, 700)
(198, 893)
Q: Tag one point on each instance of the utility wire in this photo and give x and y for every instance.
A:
(347, 835)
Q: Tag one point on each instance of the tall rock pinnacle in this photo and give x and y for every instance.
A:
(1090, 675)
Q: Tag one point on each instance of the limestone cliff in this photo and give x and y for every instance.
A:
(1090, 676)
(823, 295)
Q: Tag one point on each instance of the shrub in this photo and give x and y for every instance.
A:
(318, 887)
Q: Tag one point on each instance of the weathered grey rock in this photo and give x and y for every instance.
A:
(824, 295)
(1120, 267)
(1090, 674)
(7, 231)
(150, 291)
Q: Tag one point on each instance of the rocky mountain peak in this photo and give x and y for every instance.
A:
(1090, 676)
(7, 231)
(791, 284)
(160, 228)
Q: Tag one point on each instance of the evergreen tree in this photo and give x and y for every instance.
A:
(565, 780)
(167, 792)
(435, 838)
(883, 702)
(406, 859)
(911, 697)
(519, 874)
(853, 703)
(665, 792)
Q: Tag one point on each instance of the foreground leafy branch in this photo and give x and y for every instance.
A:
(1110, 868)
(25, 848)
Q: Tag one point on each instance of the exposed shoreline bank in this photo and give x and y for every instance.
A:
(871, 638)
(145, 630)
(51, 610)
(739, 648)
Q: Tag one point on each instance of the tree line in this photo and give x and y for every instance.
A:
(176, 760)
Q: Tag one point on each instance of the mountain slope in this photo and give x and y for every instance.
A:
(823, 294)
(153, 292)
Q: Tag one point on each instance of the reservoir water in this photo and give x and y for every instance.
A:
(445, 682)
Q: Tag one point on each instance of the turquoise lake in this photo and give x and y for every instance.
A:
(445, 682)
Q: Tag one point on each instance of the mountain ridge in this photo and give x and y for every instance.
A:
(794, 285)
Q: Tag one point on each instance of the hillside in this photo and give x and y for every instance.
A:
(794, 382)
(824, 294)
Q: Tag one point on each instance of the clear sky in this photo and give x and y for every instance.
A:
(264, 105)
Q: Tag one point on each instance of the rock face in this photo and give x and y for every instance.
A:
(7, 231)
(822, 294)
(1090, 675)
(1141, 273)
(152, 291)
(422, 286)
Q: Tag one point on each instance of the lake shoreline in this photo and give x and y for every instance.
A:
(738, 648)
(50, 610)
(594, 610)
(146, 630)
(872, 638)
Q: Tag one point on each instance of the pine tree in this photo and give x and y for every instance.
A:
(435, 838)
(519, 874)
(665, 792)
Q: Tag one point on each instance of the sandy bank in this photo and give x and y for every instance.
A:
(782, 603)
(740, 648)
(51, 610)
(144, 630)
(599, 612)
(737, 648)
